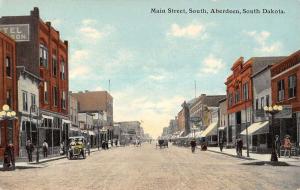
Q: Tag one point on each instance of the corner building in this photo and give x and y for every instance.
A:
(42, 52)
(8, 92)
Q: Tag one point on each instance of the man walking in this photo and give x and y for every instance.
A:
(29, 149)
(221, 144)
(45, 149)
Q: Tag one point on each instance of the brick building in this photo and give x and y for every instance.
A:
(286, 91)
(239, 98)
(42, 52)
(9, 130)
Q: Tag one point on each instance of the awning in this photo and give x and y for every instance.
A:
(66, 121)
(210, 130)
(198, 134)
(257, 128)
(47, 117)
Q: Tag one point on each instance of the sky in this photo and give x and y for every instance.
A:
(152, 60)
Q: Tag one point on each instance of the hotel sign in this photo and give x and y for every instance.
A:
(18, 32)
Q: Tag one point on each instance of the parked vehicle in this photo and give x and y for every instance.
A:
(76, 147)
(162, 143)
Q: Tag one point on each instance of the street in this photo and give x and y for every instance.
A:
(149, 168)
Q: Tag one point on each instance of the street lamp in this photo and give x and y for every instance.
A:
(272, 110)
(7, 114)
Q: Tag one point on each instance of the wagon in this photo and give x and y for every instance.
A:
(162, 143)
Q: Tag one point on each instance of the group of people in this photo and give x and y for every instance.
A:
(239, 147)
(30, 148)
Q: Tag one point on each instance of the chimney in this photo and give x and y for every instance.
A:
(35, 12)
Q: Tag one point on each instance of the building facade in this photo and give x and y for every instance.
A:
(223, 122)
(28, 101)
(42, 52)
(286, 91)
(239, 98)
(73, 115)
(9, 130)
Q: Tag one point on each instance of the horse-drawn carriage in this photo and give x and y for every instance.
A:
(162, 143)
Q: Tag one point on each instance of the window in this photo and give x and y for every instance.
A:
(43, 56)
(8, 98)
(280, 90)
(237, 96)
(245, 91)
(292, 86)
(230, 100)
(62, 70)
(256, 104)
(262, 102)
(54, 65)
(63, 100)
(8, 66)
(25, 101)
(268, 100)
(45, 91)
(33, 102)
(55, 96)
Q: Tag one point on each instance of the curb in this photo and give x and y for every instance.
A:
(234, 156)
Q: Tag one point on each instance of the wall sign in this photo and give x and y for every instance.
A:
(18, 32)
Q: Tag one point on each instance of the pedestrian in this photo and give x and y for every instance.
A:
(277, 145)
(29, 149)
(241, 147)
(9, 157)
(193, 145)
(88, 146)
(237, 146)
(45, 149)
(116, 142)
(106, 145)
(221, 144)
(287, 146)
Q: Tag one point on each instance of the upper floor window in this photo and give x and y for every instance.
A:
(268, 100)
(43, 56)
(237, 96)
(63, 100)
(54, 65)
(292, 86)
(55, 96)
(9, 98)
(25, 101)
(230, 102)
(262, 102)
(246, 91)
(62, 70)
(45, 91)
(8, 66)
(33, 102)
(256, 104)
(280, 90)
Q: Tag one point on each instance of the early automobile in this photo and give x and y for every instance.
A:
(162, 143)
(76, 147)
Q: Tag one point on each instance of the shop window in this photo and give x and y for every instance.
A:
(280, 90)
(8, 67)
(263, 139)
(292, 86)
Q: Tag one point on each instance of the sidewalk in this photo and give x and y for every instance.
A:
(254, 156)
(27, 165)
